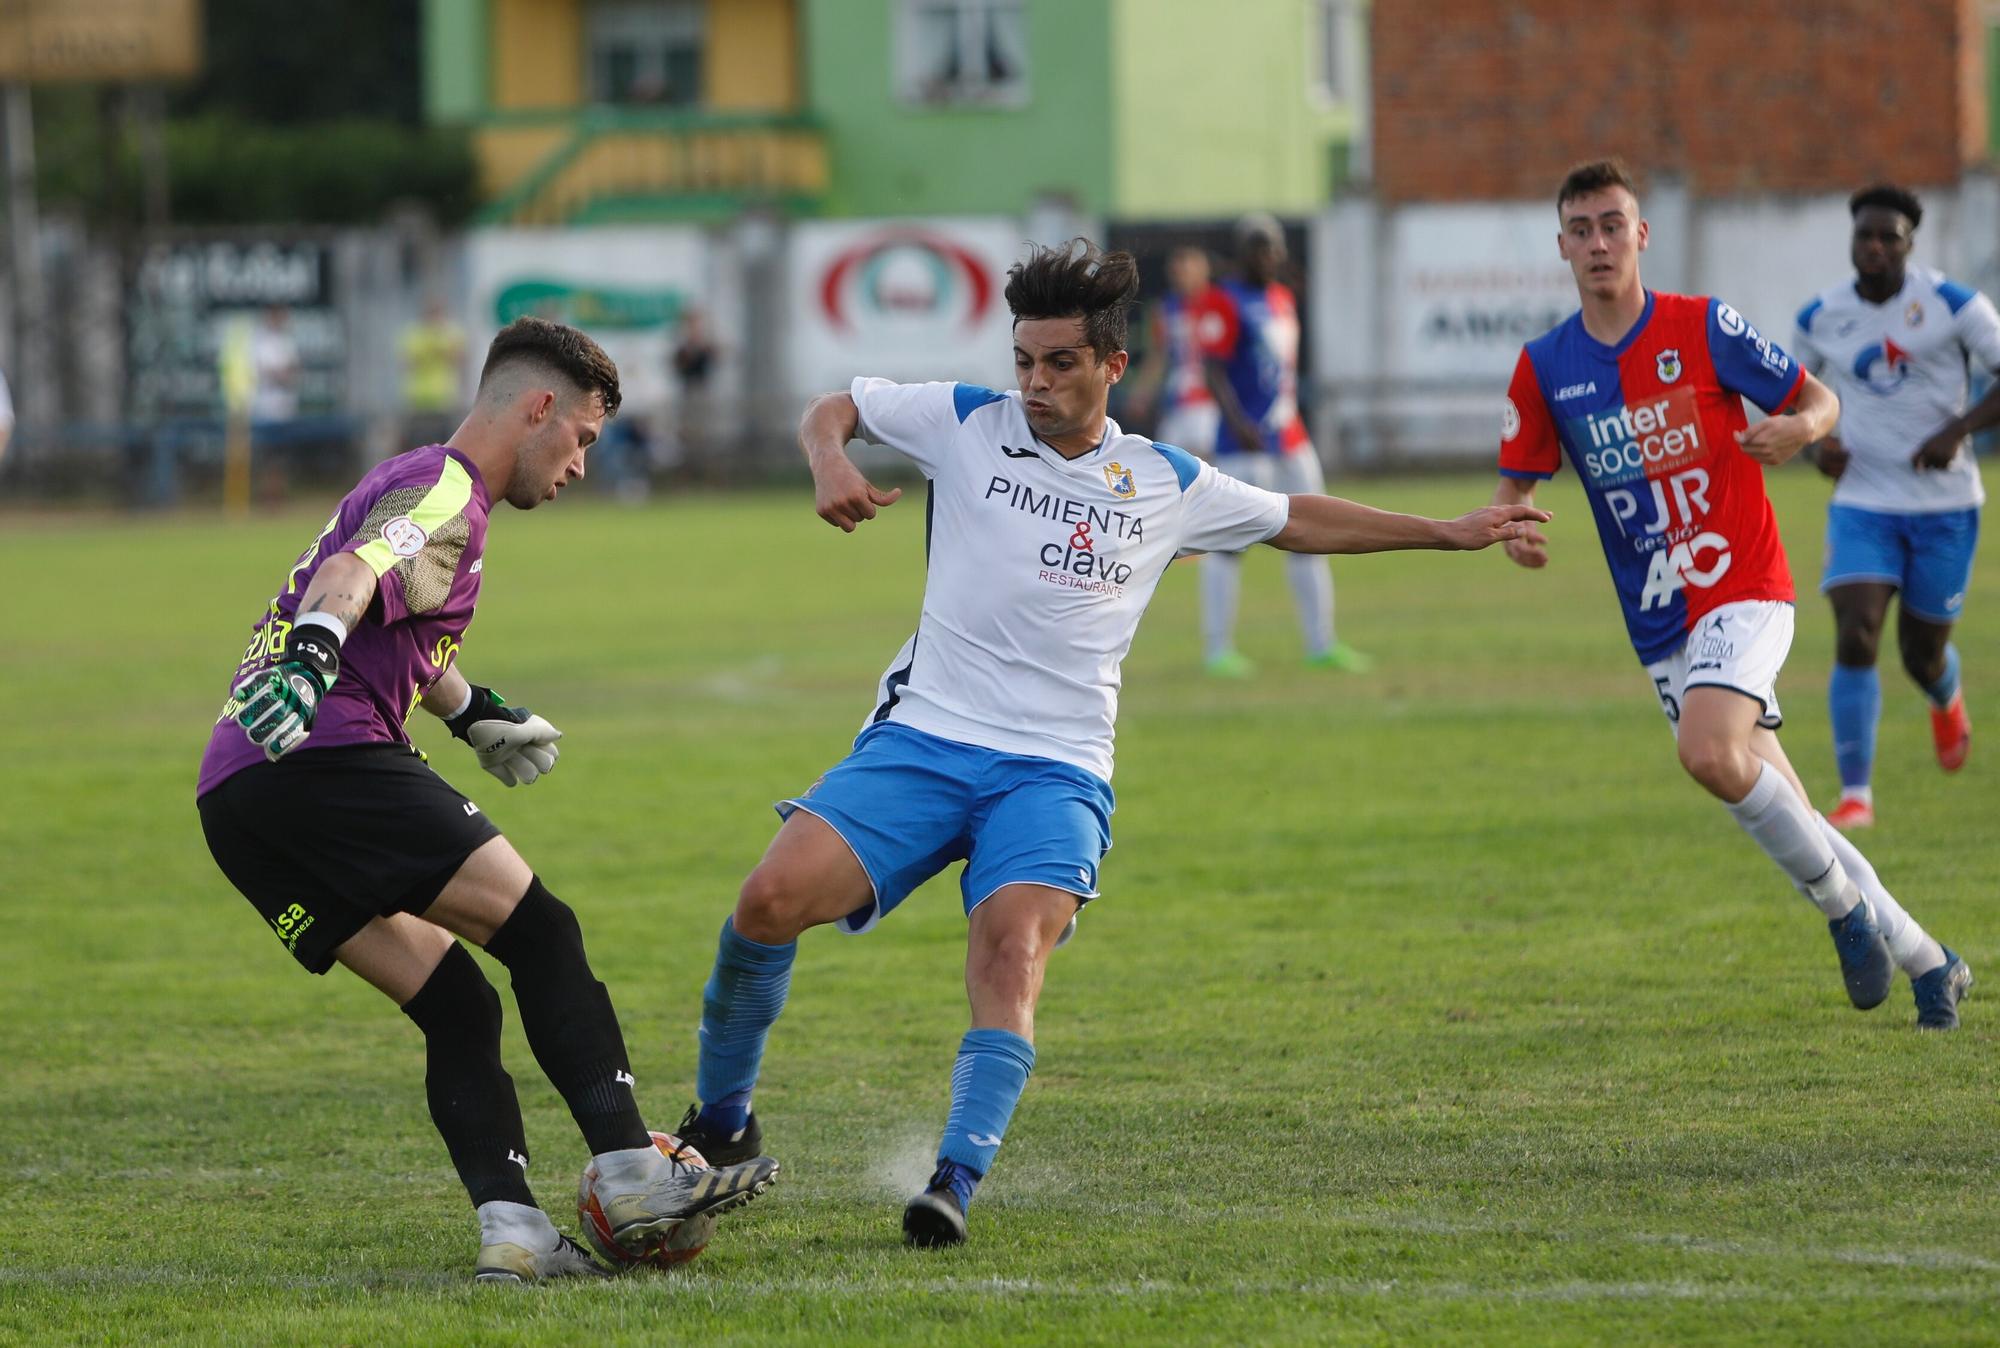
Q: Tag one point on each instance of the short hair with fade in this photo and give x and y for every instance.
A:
(1078, 280)
(1899, 199)
(1595, 176)
(559, 348)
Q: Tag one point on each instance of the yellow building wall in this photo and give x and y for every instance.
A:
(536, 48)
(752, 55)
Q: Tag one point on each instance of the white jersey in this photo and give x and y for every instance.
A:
(1040, 566)
(1901, 370)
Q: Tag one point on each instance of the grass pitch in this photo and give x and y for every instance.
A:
(1433, 1004)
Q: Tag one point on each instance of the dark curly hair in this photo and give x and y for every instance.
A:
(1077, 280)
(1899, 199)
(560, 348)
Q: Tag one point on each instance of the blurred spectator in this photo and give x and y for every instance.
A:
(433, 351)
(694, 352)
(274, 399)
(6, 417)
(694, 357)
(274, 369)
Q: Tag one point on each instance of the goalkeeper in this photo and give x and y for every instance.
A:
(319, 810)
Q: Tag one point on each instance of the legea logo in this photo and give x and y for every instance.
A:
(906, 274)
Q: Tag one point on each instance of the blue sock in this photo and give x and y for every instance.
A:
(986, 1083)
(1946, 688)
(1854, 696)
(743, 997)
(957, 1178)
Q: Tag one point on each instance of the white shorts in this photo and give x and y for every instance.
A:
(1191, 427)
(1740, 646)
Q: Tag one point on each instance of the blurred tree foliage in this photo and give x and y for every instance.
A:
(303, 114)
(290, 63)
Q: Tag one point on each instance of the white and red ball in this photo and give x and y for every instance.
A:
(686, 1241)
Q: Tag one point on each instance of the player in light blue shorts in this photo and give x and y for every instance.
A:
(910, 804)
(1896, 341)
(990, 742)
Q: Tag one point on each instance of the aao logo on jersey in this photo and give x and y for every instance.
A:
(1668, 365)
(1119, 478)
(905, 275)
(1730, 321)
(1700, 561)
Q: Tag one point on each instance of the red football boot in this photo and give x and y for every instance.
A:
(1951, 731)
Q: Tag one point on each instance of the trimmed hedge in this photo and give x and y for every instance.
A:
(225, 171)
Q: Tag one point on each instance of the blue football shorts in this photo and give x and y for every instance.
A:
(1928, 557)
(909, 804)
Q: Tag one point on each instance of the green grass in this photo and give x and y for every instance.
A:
(1431, 1005)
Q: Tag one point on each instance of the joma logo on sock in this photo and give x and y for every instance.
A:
(978, 1141)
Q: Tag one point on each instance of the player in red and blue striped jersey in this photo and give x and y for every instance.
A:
(1643, 393)
(1248, 326)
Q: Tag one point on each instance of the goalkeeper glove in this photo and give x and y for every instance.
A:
(276, 706)
(513, 743)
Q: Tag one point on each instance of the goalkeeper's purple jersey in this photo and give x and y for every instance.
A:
(419, 522)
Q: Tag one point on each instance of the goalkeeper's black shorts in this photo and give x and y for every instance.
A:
(325, 839)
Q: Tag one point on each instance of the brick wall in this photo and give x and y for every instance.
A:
(1485, 99)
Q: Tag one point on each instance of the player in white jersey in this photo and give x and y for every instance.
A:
(990, 742)
(1896, 342)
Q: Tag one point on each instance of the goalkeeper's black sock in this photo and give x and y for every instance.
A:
(471, 1096)
(567, 1014)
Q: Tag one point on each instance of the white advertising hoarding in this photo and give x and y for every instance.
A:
(626, 287)
(1468, 285)
(909, 300)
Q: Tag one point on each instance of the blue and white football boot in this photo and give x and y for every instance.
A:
(1865, 963)
(1940, 991)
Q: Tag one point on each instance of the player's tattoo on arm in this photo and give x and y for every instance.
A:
(345, 606)
(342, 588)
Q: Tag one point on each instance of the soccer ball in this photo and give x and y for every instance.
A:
(686, 1241)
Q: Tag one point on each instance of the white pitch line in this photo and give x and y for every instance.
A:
(735, 1287)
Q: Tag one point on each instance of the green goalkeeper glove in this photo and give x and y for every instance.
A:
(513, 743)
(276, 706)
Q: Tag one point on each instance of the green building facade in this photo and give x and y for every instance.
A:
(1131, 109)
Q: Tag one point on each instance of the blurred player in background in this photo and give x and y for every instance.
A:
(1644, 392)
(1172, 380)
(990, 742)
(319, 810)
(1249, 331)
(1896, 343)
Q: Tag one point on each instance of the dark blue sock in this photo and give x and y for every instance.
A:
(744, 995)
(1854, 697)
(986, 1083)
(1946, 688)
(961, 1182)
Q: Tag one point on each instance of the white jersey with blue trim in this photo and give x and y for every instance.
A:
(1901, 369)
(1039, 566)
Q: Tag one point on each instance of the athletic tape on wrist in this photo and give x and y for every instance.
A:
(318, 619)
